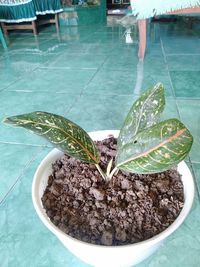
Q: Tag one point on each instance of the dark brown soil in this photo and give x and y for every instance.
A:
(129, 209)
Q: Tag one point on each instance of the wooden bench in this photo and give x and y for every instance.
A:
(32, 25)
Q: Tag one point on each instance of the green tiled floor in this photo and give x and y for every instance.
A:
(91, 76)
(186, 83)
(185, 62)
(43, 80)
(106, 79)
(189, 112)
(100, 112)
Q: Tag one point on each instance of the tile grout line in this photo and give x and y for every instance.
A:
(97, 71)
(195, 162)
(24, 144)
(11, 84)
(169, 76)
(187, 55)
(66, 68)
(72, 104)
(27, 165)
(195, 179)
(84, 88)
(17, 80)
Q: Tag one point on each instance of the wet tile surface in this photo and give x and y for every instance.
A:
(190, 114)
(94, 117)
(187, 62)
(10, 173)
(90, 75)
(80, 61)
(106, 83)
(43, 80)
(186, 83)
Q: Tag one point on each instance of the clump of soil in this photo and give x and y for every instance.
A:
(128, 209)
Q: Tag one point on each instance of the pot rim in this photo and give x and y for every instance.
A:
(188, 184)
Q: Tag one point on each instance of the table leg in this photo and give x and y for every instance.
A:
(34, 27)
(142, 24)
(57, 22)
(5, 31)
(3, 40)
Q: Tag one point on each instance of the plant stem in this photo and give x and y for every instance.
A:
(109, 167)
(104, 176)
(112, 173)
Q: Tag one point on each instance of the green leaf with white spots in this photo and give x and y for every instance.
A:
(61, 132)
(156, 149)
(144, 113)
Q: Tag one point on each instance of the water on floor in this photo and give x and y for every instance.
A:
(91, 75)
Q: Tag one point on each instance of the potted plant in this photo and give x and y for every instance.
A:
(131, 204)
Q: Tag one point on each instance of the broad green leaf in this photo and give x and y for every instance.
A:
(61, 132)
(156, 149)
(144, 113)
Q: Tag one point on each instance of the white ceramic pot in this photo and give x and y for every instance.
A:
(107, 256)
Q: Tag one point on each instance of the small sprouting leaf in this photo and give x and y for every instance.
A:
(109, 166)
(156, 149)
(61, 132)
(144, 113)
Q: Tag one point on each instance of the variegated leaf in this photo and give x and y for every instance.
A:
(156, 148)
(144, 113)
(61, 132)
